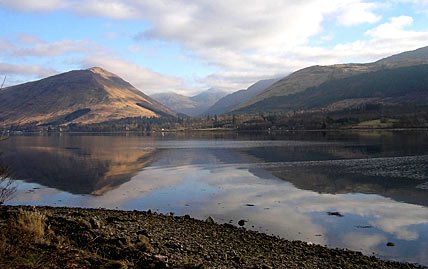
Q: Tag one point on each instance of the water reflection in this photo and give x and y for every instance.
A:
(283, 187)
(399, 178)
(78, 165)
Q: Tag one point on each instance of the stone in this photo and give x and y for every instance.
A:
(95, 223)
(210, 220)
(334, 213)
(242, 222)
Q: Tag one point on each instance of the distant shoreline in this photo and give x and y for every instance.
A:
(217, 130)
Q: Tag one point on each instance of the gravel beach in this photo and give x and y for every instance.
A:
(98, 238)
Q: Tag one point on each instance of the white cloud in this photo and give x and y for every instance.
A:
(358, 12)
(79, 53)
(142, 78)
(35, 5)
(6, 68)
(385, 39)
(106, 8)
(33, 46)
(238, 24)
(249, 40)
(392, 29)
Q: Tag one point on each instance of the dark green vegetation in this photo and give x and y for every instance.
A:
(384, 87)
(389, 93)
(85, 238)
(314, 76)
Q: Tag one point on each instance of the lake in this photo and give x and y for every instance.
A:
(355, 190)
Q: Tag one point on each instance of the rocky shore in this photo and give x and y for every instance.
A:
(46, 237)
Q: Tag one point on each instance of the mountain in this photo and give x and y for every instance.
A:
(233, 100)
(192, 106)
(394, 86)
(177, 102)
(418, 56)
(310, 83)
(80, 96)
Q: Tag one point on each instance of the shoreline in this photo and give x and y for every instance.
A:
(102, 238)
(213, 132)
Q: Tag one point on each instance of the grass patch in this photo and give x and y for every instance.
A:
(19, 237)
(30, 224)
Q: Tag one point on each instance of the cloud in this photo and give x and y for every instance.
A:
(20, 73)
(359, 12)
(20, 69)
(224, 23)
(103, 8)
(249, 40)
(35, 47)
(385, 39)
(392, 29)
(142, 78)
(79, 53)
(34, 5)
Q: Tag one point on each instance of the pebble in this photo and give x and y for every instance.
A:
(188, 243)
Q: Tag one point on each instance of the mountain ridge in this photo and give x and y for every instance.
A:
(314, 76)
(190, 105)
(394, 86)
(233, 100)
(79, 96)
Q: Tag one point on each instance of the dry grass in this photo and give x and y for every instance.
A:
(23, 230)
(32, 222)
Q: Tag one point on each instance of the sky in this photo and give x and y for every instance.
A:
(187, 46)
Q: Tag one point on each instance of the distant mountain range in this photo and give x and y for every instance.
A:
(95, 96)
(212, 101)
(190, 105)
(234, 100)
(81, 96)
(396, 79)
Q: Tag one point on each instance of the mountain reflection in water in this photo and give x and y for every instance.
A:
(375, 180)
(77, 165)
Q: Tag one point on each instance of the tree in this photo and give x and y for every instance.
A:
(7, 184)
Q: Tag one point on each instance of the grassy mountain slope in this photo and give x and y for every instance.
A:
(388, 86)
(233, 100)
(316, 75)
(80, 96)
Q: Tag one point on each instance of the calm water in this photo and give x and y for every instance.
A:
(283, 185)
